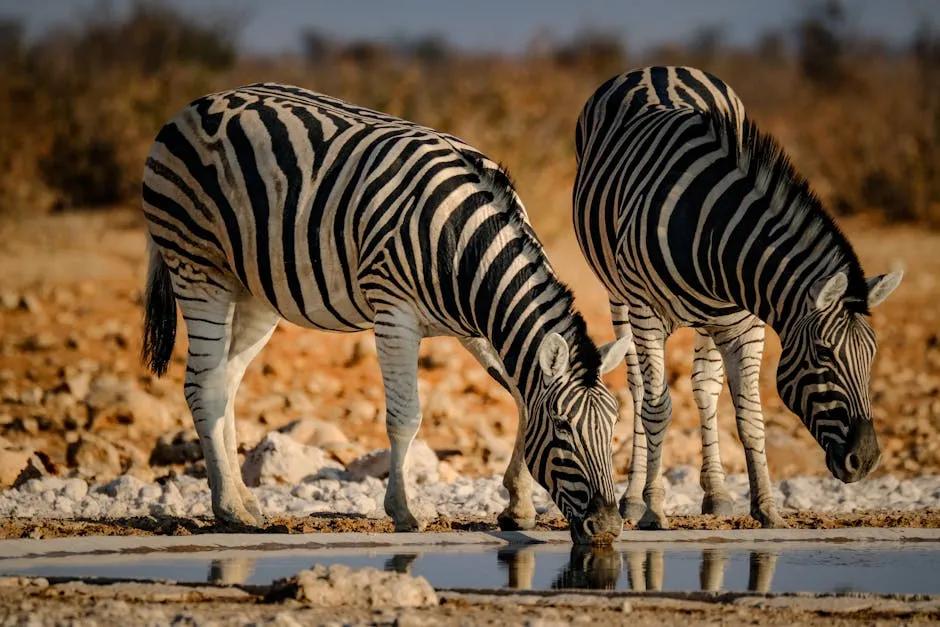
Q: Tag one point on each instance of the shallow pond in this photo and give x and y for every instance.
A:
(886, 567)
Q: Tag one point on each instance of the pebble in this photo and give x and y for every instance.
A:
(74, 489)
(55, 497)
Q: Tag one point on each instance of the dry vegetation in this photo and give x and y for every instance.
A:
(78, 108)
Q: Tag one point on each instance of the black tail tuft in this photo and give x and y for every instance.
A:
(159, 316)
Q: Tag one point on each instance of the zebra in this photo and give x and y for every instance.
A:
(270, 201)
(692, 217)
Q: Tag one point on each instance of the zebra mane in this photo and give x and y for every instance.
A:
(499, 182)
(765, 161)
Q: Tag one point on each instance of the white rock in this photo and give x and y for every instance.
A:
(314, 432)
(447, 473)
(361, 411)
(64, 505)
(125, 487)
(79, 385)
(340, 585)
(171, 502)
(682, 475)
(421, 464)
(372, 464)
(53, 497)
(279, 458)
(75, 489)
(248, 433)
(12, 462)
(151, 492)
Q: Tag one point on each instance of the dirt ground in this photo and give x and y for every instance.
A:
(83, 604)
(149, 525)
(70, 315)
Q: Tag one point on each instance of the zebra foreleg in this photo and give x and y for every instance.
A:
(252, 327)
(520, 513)
(707, 378)
(397, 340)
(650, 337)
(742, 353)
(208, 325)
(632, 506)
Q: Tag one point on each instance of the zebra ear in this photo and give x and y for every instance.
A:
(881, 286)
(827, 291)
(613, 353)
(553, 356)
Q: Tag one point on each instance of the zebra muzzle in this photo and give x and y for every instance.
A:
(858, 457)
(601, 524)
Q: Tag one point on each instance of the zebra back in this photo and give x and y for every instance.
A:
(621, 98)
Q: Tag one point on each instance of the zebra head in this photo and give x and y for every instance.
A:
(824, 372)
(568, 438)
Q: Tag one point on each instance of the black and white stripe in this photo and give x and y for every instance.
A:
(271, 201)
(692, 217)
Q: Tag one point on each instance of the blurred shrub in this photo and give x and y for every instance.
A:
(598, 51)
(821, 45)
(79, 108)
(926, 166)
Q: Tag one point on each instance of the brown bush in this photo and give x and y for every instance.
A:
(79, 108)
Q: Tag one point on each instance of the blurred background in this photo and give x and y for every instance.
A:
(851, 89)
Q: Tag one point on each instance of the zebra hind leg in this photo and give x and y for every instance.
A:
(742, 352)
(707, 378)
(632, 506)
(397, 339)
(208, 324)
(520, 513)
(252, 327)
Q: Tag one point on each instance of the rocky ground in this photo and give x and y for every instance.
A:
(93, 444)
(72, 392)
(308, 599)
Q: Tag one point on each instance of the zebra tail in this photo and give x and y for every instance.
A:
(159, 315)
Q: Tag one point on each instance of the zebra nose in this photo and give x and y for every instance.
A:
(602, 523)
(851, 463)
(860, 455)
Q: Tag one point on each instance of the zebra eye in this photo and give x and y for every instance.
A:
(825, 354)
(562, 426)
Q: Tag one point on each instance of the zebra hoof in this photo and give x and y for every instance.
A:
(408, 524)
(632, 510)
(254, 508)
(717, 506)
(510, 523)
(653, 522)
(238, 518)
(770, 520)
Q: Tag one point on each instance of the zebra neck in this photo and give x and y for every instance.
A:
(519, 319)
(781, 295)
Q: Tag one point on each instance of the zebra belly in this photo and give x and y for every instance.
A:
(336, 306)
(321, 316)
(675, 309)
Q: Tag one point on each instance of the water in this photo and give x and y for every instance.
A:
(825, 567)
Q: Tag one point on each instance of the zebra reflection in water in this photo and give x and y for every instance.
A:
(600, 569)
(591, 568)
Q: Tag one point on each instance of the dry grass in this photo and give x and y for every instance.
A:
(79, 109)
